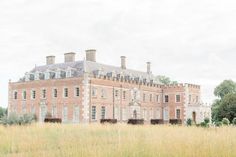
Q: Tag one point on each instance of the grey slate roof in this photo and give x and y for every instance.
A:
(93, 67)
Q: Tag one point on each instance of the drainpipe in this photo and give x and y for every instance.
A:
(113, 105)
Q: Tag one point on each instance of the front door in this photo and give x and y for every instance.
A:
(194, 116)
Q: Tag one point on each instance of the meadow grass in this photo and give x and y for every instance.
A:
(121, 140)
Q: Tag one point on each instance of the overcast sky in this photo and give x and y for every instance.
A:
(189, 41)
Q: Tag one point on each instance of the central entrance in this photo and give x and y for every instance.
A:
(134, 110)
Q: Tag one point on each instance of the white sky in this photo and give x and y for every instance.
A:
(189, 41)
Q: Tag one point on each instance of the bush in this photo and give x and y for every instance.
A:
(14, 119)
(225, 121)
(218, 124)
(189, 122)
(207, 120)
(204, 124)
(234, 121)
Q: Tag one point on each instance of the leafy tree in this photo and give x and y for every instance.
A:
(227, 107)
(226, 87)
(2, 112)
(215, 111)
(166, 80)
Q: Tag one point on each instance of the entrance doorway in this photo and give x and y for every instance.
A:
(194, 116)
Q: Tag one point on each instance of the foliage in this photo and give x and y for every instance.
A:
(189, 122)
(14, 119)
(225, 121)
(207, 120)
(2, 112)
(166, 80)
(225, 107)
(218, 123)
(234, 121)
(205, 123)
(226, 87)
(215, 111)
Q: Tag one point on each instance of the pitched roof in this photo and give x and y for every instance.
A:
(91, 67)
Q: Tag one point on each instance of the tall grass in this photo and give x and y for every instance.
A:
(55, 140)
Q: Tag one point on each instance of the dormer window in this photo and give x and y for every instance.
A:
(68, 73)
(47, 75)
(41, 76)
(52, 75)
(36, 75)
(58, 74)
(32, 77)
(63, 74)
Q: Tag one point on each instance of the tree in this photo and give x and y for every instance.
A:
(226, 87)
(2, 112)
(215, 110)
(227, 108)
(166, 80)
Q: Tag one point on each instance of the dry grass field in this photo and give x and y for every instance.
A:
(55, 140)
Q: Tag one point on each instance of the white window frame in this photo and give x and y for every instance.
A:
(76, 116)
(103, 112)
(53, 92)
(176, 113)
(103, 93)
(94, 113)
(33, 94)
(15, 95)
(64, 92)
(164, 100)
(179, 98)
(76, 91)
(54, 111)
(94, 92)
(24, 94)
(42, 93)
(65, 113)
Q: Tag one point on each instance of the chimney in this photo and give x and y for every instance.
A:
(69, 57)
(50, 60)
(149, 67)
(123, 62)
(91, 55)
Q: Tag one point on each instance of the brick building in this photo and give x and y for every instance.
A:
(86, 91)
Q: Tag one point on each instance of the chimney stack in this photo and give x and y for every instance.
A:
(69, 57)
(50, 60)
(91, 55)
(149, 67)
(123, 62)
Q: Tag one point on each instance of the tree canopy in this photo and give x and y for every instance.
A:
(226, 87)
(166, 80)
(225, 106)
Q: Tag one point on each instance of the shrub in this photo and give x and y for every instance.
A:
(189, 122)
(225, 121)
(14, 119)
(204, 124)
(207, 120)
(234, 121)
(218, 124)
